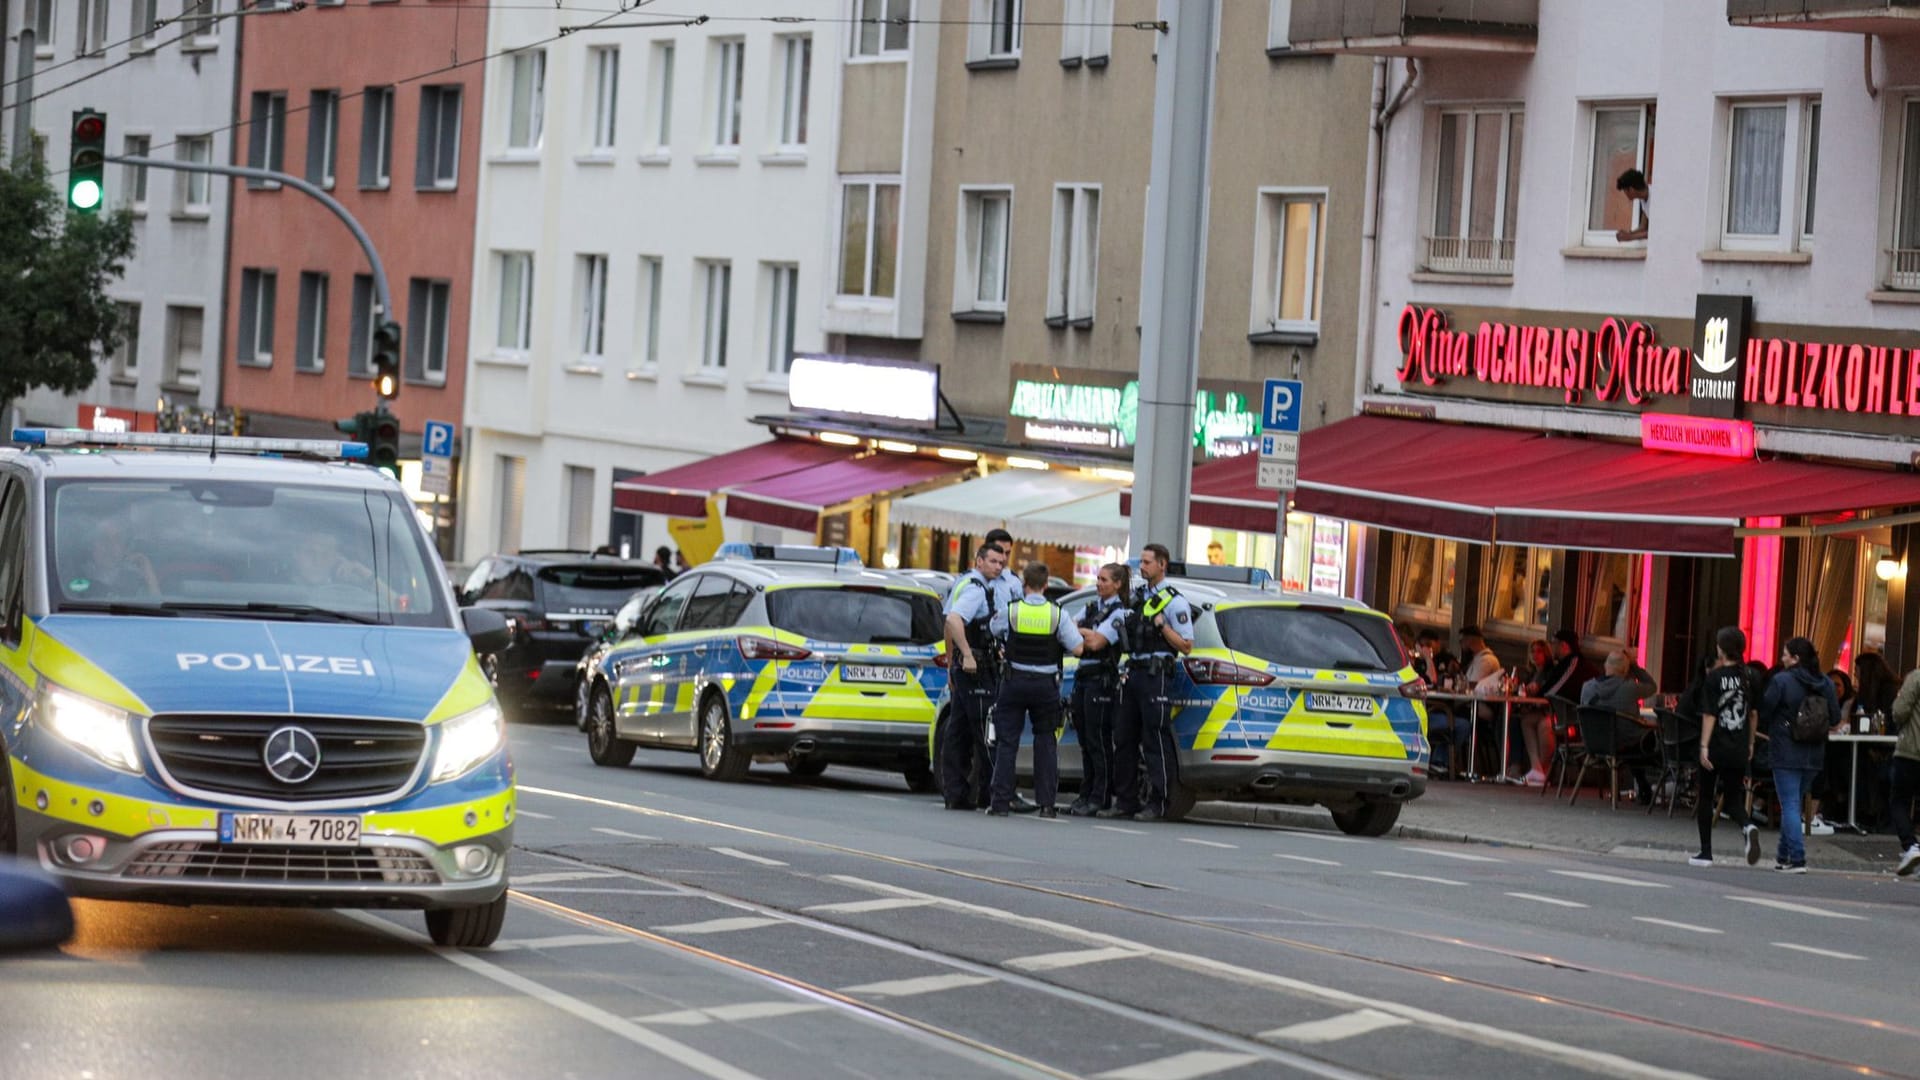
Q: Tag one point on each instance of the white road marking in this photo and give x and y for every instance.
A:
(1800, 909)
(1074, 958)
(561, 875)
(861, 907)
(1538, 899)
(621, 834)
(926, 984)
(1188, 1066)
(1332, 838)
(546, 890)
(872, 795)
(560, 941)
(738, 854)
(719, 926)
(1335, 1028)
(746, 1010)
(1677, 925)
(1609, 879)
(531, 814)
(1116, 828)
(1307, 859)
(1421, 877)
(1208, 843)
(1461, 855)
(1818, 952)
(671, 1049)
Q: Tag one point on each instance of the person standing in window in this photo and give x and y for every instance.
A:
(1633, 184)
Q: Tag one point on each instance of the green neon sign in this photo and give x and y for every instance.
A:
(1224, 423)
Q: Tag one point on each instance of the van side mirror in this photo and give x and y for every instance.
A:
(487, 629)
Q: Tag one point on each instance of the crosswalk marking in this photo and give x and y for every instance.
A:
(860, 907)
(926, 984)
(1306, 859)
(720, 926)
(1188, 1066)
(1677, 925)
(746, 1010)
(1800, 909)
(1818, 952)
(1461, 855)
(1075, 958)
(1421, 877)
(1208, 843)
(1538, 899)
(561, 875)
(749, 857)
(1609, 879)
(1335, 1028)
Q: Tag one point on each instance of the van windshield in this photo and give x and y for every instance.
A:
(856, 616)
(258, 550)
(1313, 637)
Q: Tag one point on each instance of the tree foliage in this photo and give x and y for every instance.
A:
(55, 316)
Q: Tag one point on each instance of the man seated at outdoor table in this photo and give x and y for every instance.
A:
(1620, 689)
(1446, 721)
(1480, 676)
(1563, 676)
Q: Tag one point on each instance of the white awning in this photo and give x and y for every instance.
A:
(1039, 507)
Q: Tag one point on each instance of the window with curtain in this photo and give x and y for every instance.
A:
(1905, 271)
(1519, 586)
(1772, 161)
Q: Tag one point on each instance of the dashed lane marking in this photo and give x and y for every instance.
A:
(1538, 899)
(1818, 952)
(1209, 843)
(1676, 925)
(1306, 859)
(746, 1010)
(1188, 1066)
(1421, 877)
(560, 941)
(1118, 829)
(1461, 855)
(1798, 909)
(553, 890)
(1609, 879)
(1335, 1028)
(926, 984)
(1073, 958)
(719, 926)
(736, 853)
(533, 815)
(557, 876)
(621, 833)
(861, 907)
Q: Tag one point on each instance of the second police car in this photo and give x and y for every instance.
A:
(793, 654)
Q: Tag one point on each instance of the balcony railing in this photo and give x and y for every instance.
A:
(1469, 255)
(1903, 272)
(1414, 27)
(1847, 16)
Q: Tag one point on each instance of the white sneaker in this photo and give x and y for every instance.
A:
(1534, 778)
(1819, 827)
(1699, 860)
(1753, 843)
(1909, 861)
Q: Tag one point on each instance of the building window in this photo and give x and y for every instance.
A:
(660, 115)
(716, 299)
(1476, 191)
(376, 137)
(1812, 143)
(580, 498)
(310, 337)
(881, 27)
(429, 317)
(39, 19)
(196, 188)
(1423, 578)
(592, 333)
(203, 22)
(796, 83)
(146, 25)
(437, 158)
(360, 346)
(1769, 169)
(92, 39)
(1073, 266)
(527, 101)
(1289, 241)
(1517, 594)
(606, 97)
(783, 290)
(126, 352)
(267, 135)
(323, 135)
(869, 237)
(647, 336)
(729, 61)
(185, 330)
(516, 300)
(994, 32)
(1623, 138)
(511, 501)
(1609, 595)
(136, 175)
(1279, 29)
(1086, 32)
(257, 293)
(986, 217)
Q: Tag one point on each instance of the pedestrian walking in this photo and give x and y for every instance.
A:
(1725, 697)
(1038, 636)
(1096, 687)
(1160, 631)
(1905, 719)
(973, 666)
(1798, 707)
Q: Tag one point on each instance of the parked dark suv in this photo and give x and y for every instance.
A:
(556, 603)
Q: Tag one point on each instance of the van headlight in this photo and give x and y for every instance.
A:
(467, 740)
(102, 731)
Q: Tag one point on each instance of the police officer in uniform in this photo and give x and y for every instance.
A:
(972, 663)
(1160, 632)
(1096, 686)
(1038, 636)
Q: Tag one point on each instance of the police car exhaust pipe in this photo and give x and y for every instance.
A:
(802, 747)
(1265, 782)
(1401, 789)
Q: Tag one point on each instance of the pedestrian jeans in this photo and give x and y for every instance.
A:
(1026, 696)
(964, 765)
(1447, 727)
(1095, 698)
(1727, 775)
(1790, 785)
(1906, 785)
(1143, 733)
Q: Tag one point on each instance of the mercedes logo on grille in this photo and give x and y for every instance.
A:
(292, 755)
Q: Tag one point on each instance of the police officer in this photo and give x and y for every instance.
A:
(973, 678)
(1007, 585)
(1038, 636)
(1161, 631)
(1096, 687)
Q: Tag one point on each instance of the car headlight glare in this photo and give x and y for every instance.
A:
(100, 730)
(467, 740)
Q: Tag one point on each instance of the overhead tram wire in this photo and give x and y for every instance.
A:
(197, 30)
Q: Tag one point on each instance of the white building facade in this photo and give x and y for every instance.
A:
(168, 91)
(652, 249)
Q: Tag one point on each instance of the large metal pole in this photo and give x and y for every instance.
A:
(1175, 255)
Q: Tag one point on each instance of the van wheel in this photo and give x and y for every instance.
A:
(808, 767)
(1373, 817)
(9, 828)
(920, 780)
(719, 758)
(468, 927)
(1180, 800)
(605, 747)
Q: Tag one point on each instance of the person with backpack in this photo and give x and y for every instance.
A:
(1797, 710)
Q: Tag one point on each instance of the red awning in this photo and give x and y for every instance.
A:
(683, 491)
(795, 500)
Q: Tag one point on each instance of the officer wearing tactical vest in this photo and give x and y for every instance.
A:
(972, 656)
(1038, 636)
(1160, 632)
(1096, 686)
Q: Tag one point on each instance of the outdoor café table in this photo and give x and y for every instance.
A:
(1853, 778)
(1506, 703)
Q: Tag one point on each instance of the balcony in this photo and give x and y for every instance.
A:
(1469, 255)
(1844, 16)
(1415, 27)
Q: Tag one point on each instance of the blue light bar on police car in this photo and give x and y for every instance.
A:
(149, 440)
(807, 553)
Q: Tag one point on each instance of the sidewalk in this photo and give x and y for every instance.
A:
(1520, 817)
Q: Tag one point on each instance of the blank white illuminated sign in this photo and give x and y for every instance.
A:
(825, 384)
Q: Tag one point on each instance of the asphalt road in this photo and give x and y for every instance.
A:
(666, 926)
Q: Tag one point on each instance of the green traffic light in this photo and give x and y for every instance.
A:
(85, 194)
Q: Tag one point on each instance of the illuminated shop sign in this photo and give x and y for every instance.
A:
(1101, 411)
(895, 390)
(1708, 435)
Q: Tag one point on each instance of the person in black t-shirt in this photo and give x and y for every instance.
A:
(1725, 698)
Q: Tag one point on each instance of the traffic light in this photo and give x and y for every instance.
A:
(87, 162)
(386, 360)
(355, 427)
(383, 441)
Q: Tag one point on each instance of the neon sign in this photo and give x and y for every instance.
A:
(1225, 423)
(1697, 435)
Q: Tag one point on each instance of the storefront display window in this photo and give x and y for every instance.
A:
(1327, 574)
(1519, 587)
(1227, 547)
(1872, 635)
(1423, 578)
(1608, 595)
(1829, 591)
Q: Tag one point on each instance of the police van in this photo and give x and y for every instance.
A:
(232, 671)
(1286, 698)
(791, 654)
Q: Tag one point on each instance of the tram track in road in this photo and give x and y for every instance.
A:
(1517, 1040)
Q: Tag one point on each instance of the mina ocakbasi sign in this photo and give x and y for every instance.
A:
(1100, 411)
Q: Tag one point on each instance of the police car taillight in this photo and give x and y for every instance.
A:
(1220, 673)
(1413, 689)
(940, 659)
(759, 648)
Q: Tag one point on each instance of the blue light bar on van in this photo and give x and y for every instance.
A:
(149, 440)
(828, 556)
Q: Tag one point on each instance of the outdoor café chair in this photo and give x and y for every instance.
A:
(1678, 738)
(1600, 731)
(1568, 750)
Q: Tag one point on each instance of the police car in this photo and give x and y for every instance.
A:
(1286, 698)
(791, 655)
(231, 675)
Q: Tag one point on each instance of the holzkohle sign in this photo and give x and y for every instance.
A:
(1100, 411)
